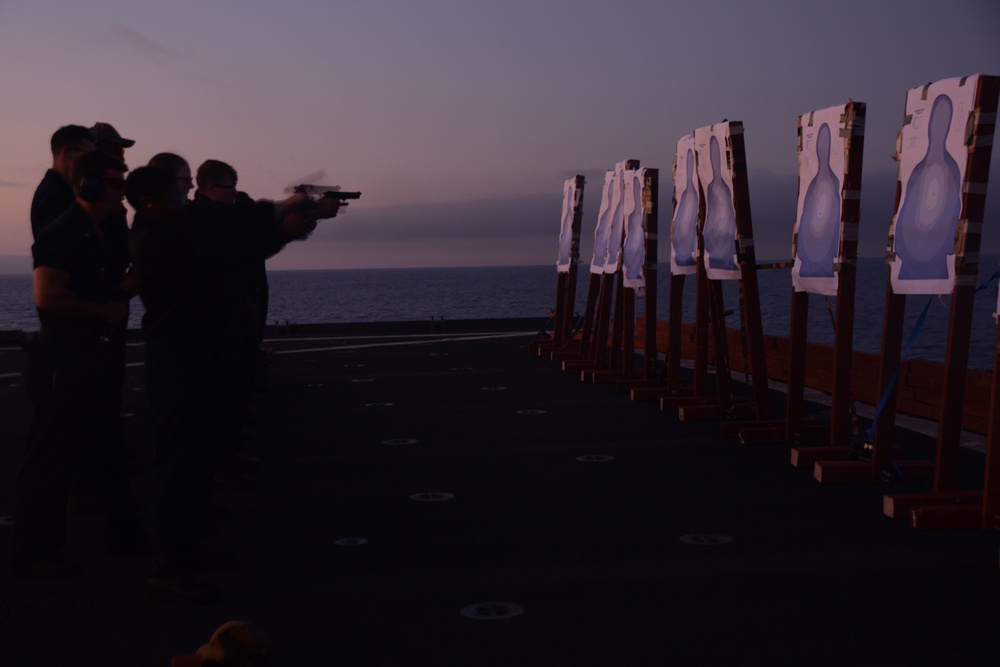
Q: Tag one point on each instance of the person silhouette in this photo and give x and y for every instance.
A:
(720, 220)
(819, 226)
(925, 227)
(684, 232)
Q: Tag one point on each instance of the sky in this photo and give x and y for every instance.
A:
(459, 120)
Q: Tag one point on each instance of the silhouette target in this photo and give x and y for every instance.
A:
(720, 220)
(819, 227)
(925, 228)
(684, 237)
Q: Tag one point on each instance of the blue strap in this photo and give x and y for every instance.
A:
(870, 433)
(986, 283)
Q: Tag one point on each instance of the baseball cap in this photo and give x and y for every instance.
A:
(107, 133)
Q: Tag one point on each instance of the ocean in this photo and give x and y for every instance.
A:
(386, 295)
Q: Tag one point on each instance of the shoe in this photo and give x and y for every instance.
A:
(176, 587)
(125, 540)
(46, 567)
(229, 480)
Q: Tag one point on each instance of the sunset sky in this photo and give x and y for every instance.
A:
(459, 120)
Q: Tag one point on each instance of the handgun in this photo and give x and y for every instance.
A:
(326, 192)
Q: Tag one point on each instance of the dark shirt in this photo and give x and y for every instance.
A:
(179, 274)
(250, 235)
(53, 197)
(95, 263)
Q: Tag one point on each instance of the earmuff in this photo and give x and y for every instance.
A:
(91, 187)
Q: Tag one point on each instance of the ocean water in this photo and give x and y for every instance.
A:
(384, 295)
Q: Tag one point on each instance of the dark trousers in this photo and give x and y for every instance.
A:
(93, 474)
(75, 393)
(182, 385)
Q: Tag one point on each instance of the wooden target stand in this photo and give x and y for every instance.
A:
(794, 429)
(594, 353)
(990, 517)
(672, 386)
(710, 316)
(945, 507)
(621, 370)
(562, 319)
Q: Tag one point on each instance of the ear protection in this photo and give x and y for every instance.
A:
(91, 187)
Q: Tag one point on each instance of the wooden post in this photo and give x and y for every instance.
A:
(559, 325)
(601, 356)
(567, 305)
(796, 365)
(966, 273)
(589, 317)
(686, 206)
(650, 198)
(622, 371)
(991, 486)
(563, 315)
(843, 127)
(841, 432)
(747, 258)
(701, 315)
(674, 339)
(979, 130)
(945, 507)
(732, 165)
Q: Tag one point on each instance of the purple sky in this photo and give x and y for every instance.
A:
(460, 120)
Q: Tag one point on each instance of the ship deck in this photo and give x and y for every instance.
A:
(441, 497)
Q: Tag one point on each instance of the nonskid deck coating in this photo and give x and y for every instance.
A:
(623, 536)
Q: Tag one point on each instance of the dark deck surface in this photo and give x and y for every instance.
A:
(352, 428)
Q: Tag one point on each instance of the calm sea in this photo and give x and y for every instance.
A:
(374, 295)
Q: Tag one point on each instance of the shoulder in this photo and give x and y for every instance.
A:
(52, 197)
(53, 186)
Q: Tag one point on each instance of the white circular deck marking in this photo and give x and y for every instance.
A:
(432, 496)
(492, 611)
(531, 412)
(494, 388)
(399, 441)
(350, 541)
(6, 521)
(705, 539)
(363, 380)
(378, 405)
(595, 458)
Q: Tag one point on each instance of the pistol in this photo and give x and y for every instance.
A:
(326, 192)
